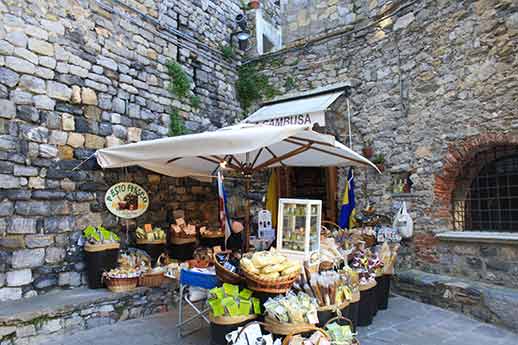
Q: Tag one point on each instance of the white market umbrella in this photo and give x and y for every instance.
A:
(244, 148)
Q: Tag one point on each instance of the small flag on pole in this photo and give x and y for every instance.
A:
(224, 220)
(347, 212)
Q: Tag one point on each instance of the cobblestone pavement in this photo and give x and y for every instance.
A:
(406, 322)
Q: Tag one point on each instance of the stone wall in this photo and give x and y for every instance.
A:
(83, 75)
(425, 76)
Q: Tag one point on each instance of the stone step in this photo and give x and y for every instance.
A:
(486, 302)
(32, 320)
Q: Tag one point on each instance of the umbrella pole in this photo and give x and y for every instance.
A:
(247, 215)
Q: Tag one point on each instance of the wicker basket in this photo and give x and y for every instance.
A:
(278, 328)
(287, 339)
(120, 284)
(182, 240)
(152, 279)
(142, 241)
(101, 247)
(280, 285)
(369, 285)
(225, 275)
(230, 320)
(343, 319)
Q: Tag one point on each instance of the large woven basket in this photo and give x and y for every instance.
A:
(121, 284)
(231, 320)
(152, 279)
(340, 320)
(278, 328)
(182, 240)
(287, 338)
(280, 285)
(225, 275)
(143, 241)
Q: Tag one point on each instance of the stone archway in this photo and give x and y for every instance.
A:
(459, 155)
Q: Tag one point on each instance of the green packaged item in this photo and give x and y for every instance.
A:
(244, 307)
(216, 307)
(245, 294)
(217, 292)
(257, 305)
(232, 308)
(231, 290)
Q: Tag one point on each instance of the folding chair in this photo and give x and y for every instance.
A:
(189, 279)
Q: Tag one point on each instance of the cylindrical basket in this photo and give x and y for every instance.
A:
(383, 291)
(341, 319)
(182, 248)
(100, 258)
(328, 312)
(354, 310)
(220, 326)
(276, 286)
(152, 279)
(368, 304)
(278, 328)
(121, 284)
(288, 337)
(225, 275)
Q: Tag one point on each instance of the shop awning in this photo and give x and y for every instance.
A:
(244, 148)
(302, 111)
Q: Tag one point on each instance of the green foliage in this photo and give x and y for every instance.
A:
(180, 84)
(253, 86)
(378, 159)
(195, 101)
(227, 51)
(177, 125)
(289, 84)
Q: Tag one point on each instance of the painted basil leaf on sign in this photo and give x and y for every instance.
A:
(126, 200)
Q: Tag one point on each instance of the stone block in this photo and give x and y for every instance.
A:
(67, 185)
(17, 38)
(51, 326)
(92, 112)
(36, 134)
(36, 182)
(44, 102)
(65, 152)
(7, 109)
(69, 279)
(48, 151)
(9, 294)
(32, 84)
(20, 170)
(9, 182)
(68, 122)
(54, 255)
(76, 140)
(20, 65)
(8, 77)
(47, 61)
(32, 208)
(58, 91)
(38, 241)
(58, 138)
(113, 141)
(26, 54)
(41, 47)
(19, 277)
(76, 95)
(21, 225)
(134, 134)
(25, 331)
(28, 258)
(6, 48)
(6, 208)
(88, 96)
(12, 242)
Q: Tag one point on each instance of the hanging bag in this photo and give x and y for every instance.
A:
(403, 222)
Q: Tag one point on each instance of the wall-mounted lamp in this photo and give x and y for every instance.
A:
(243, 34)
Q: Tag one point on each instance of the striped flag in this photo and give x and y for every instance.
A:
(224, 220)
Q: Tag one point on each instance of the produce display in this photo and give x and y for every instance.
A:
(367, 264)
(211, 233)
(99, 235)
(123, 273)
(388, 256)
(292, 308)
(230, 261)
(182, 230)
(340, 334)
(135, 259)
(317, 338)
(269, 265)
(228, 300)
(150, 234)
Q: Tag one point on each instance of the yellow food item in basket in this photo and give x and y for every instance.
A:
(262, 259)
(293, 268)
(249, 266)
(275, 268)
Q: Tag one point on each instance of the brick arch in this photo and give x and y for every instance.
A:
(458, 156)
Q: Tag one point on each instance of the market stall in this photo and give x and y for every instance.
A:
(311, 279)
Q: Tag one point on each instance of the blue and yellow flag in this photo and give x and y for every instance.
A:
(348, 212)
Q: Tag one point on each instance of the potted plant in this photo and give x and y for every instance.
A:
(367, 150)
(379, 160)
(254, 4)
(101, 251)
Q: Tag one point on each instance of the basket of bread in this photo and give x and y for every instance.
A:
(269, 271)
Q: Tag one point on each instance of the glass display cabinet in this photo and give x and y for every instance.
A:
(298, 227)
